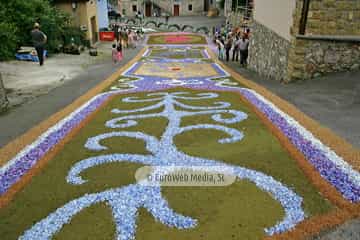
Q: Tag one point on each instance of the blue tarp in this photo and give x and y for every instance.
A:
(28, 56)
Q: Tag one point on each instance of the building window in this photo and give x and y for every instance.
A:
(134, 8)
(190, 7)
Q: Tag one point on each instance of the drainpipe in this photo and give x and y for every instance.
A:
(304, 16)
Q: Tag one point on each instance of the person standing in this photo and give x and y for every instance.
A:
(116, 32)
(236, 48)
(39, 40)
(134, 39)
(244, 50)
(247, 33)
(119, 55)
(126, 38)
(221, 48)
(122, 38)
(114, 53)
(131, 38)
(228, 45)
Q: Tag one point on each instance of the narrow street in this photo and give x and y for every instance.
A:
(174, 143)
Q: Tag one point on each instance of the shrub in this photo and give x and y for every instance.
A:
(202, 30)
(17, 20)
(8, 40)
(150, 23)
(172, 26)
(76, 34)
(187, 26)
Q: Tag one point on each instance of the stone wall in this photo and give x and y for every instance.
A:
(331, 42)
(197, 8)
(3, 99)
(334, 17)
(268, 53)
(126, 7)
(313, 57)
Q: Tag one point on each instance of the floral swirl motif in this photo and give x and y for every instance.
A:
(179, 82)
(226, 83)
(124, 84)
(125, 201)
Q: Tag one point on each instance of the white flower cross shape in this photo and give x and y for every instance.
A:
(126, 201)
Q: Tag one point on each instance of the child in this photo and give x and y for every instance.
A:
(114, 53)
(119, 55)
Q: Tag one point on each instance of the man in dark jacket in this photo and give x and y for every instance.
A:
(228, 45)
(39, 40)
(116, 32)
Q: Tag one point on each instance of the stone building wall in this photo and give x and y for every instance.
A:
(3, 99)
(268, 53)
(126, 7)
(334, 17)
(331, 42)
(309, 58)
(197, 7)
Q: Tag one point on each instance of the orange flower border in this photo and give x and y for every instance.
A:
(345, 210)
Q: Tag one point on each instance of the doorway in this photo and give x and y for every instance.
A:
(176, 10)
(148, 9)
(94, 33)
(206, 5)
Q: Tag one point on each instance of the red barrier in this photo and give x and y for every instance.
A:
(107, 36)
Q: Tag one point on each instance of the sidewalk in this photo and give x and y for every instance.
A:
(49, 89)
(25, 81)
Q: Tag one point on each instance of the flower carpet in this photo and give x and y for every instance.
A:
(74, 177)
(176, 39)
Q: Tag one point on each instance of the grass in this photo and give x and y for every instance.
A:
(240, 209)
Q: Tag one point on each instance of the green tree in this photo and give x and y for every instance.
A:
(8, 40)
(17, 18)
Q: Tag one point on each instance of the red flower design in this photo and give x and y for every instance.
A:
(177, 39)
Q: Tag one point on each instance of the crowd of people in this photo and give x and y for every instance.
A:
(235, 41)
(124, 38)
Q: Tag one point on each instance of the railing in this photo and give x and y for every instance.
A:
(246, 12)
(242, 16)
